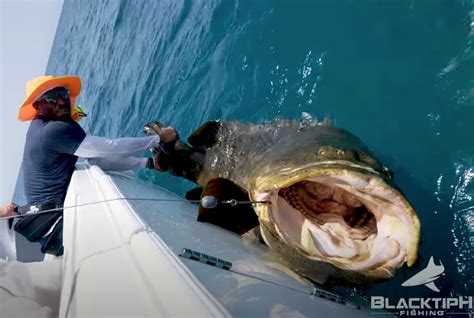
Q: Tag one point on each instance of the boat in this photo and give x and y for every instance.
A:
(134, 249)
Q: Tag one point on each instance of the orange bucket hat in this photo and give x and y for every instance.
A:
(37, 86)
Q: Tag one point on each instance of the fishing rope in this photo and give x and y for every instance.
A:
(208, 202)
(317, 291)
(271, 282)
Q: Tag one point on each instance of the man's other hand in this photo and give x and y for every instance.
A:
(168, 134)
(8, 210)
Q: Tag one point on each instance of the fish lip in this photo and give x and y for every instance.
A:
(288, 174)
(291, 176)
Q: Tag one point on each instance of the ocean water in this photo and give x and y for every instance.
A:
(398, 74)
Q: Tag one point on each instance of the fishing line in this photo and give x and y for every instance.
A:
(222, 264)
(208, 202)
(316, 291)
(271, 282)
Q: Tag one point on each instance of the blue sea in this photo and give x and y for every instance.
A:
(398, 74)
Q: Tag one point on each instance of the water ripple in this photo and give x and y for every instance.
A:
(463, 225)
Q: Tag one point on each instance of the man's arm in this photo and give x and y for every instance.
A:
(120, 164)
(101, 147)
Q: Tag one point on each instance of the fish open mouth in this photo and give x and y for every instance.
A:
(316, 199)
(353, 220)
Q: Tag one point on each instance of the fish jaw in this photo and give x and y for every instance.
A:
(307, 216)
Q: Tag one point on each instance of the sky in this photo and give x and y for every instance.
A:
(27, 30)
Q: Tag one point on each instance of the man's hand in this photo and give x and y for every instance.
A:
(168, 134)
(8, 210)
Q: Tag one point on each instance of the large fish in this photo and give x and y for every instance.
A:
(334, 212)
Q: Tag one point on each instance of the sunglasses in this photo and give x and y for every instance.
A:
(52, 97)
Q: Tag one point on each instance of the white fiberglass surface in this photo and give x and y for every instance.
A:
(258, 283)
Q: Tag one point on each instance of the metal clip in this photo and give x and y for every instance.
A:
(232, 202)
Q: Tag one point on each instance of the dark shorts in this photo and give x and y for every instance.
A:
(34, 228)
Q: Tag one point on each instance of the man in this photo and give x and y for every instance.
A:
(53, 144)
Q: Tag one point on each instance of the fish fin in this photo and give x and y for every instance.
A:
(327, 121)
(194, 194)
(205, 136)
(432, 286)
(239, 218)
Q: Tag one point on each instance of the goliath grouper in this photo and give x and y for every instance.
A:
(334, 212)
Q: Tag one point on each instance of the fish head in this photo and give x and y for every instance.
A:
(332, 203)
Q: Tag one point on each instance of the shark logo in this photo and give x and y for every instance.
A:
(427, 276)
